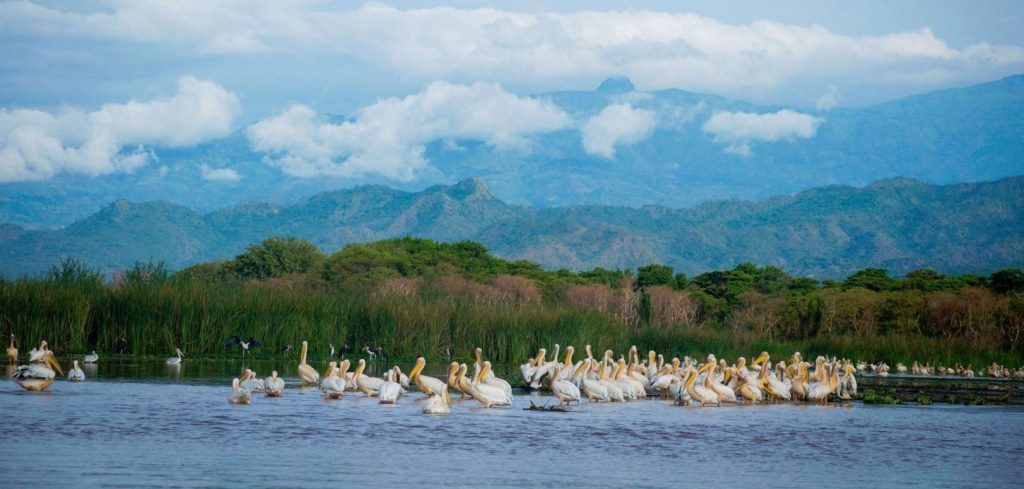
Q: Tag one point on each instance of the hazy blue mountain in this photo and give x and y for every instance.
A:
(900, 224)
(968, 134)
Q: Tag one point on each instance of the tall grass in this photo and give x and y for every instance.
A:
(77, 316)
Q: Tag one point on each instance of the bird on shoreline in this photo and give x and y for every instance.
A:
(12, 352)
(91, 358)
(175, 360)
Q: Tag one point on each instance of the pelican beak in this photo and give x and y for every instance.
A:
(420, 363)
(706, 366)
(759, 360)
(53, 363)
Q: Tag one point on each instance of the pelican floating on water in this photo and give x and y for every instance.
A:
(175, 360)
(368, 385)
(427, 385)
(564, 390)
(274, 385)
(253, 383)
(91, 358)
(390, 389)
(239, 394)
(439, 404)
(76, 374)
(38, 375)
(307, 374)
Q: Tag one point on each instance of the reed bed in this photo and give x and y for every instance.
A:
(79, 316)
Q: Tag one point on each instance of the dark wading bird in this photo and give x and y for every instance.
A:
(122, 345)
(383, 353)
(287, 349)
(231, 341)
(345, 349)
(371, 352)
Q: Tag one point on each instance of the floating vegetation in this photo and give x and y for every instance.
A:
(872, 397)
(561, 408)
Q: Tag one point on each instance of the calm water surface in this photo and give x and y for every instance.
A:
(142, 424)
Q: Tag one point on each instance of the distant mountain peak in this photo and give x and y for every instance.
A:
(616, 84)
(470, 187)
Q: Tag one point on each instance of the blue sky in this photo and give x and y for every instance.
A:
(92, 87)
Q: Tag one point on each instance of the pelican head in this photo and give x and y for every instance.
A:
(741, 362)
(479, 352)
(590, 354)
(359, 369)
(453, 371)
(652, 358)
(484, 371)
(762, 358)
(420, 363)
(541, 355)
(178, 351)
(569, 350)
(273, 374)
(330, 369)
(462, 373)
(345, 364)
(675, 363)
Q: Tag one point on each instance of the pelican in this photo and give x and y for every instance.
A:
(700, 393)
(769, 384)
(801, 382)
(457, 378)
(490, 379)
(723, 392)
(564, 390)
(614, 390)
(76, 374)
(252, 383)
(488, 395)
(91, 358)
(307, 374)
(334, 383)
(239, 394)
(331, 367)
(427, 385)
(592, 388)
(390, 389)
(439, 404)
(368, 385)
(38, 375)
(274, 385)
(12, 352)
(848, 384)
(819, 391)
(175, 360)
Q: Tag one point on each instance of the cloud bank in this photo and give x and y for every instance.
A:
(219, 174)
(388, 137)
(657, 49)
(616, 125)
(739, 129)
(36, 145)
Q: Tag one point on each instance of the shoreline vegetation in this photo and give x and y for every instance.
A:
(419, 297)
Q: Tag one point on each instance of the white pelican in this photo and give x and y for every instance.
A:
(700, 393)
(12, 352)
(564, 390)
(439, 404)
(427, 385)
(488, 395)
(614, 390)
(848, 384)
(175, 360)
(491, 379)
(631, 388)
(307, 374)
(38, 375)
(390, 389)
(368, 385)
(456, 381)
(274, 385)
(334, 383)
(819, 391)
(239, 394)
(768, 383)
(724, 393)
(592, 388)
(91, 358)
(801, 383)
(76, 374)
(331, 367)
(252, 383)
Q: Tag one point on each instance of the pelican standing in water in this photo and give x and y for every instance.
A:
(175, 360)
(488, 395)
(38, 375)
(274, 385)
(239, 394)
(307, 374)
(76, 374)
(12, 352)
(368, 385)
(390, 389)
(564, 390)
(427, 385)
(91, 358)
(334, 383)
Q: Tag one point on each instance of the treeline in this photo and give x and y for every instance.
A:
(418, 296)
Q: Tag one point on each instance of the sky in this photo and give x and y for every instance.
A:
(92, 87)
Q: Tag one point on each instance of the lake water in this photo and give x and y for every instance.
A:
(143, 424)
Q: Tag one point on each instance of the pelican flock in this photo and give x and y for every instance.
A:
(604, 378)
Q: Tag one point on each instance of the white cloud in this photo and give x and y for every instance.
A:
(36, 145)
(616, 125)
(739, 129)
(219, 174)
(657, 49)
(828, 100)
(388, 137)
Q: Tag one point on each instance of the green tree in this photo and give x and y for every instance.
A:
(876, 279)
(651, 275)
(681, 281)
(1008, 280)
(277, 256)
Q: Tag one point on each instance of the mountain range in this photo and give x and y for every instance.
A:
(827, 232)
(967, 134)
